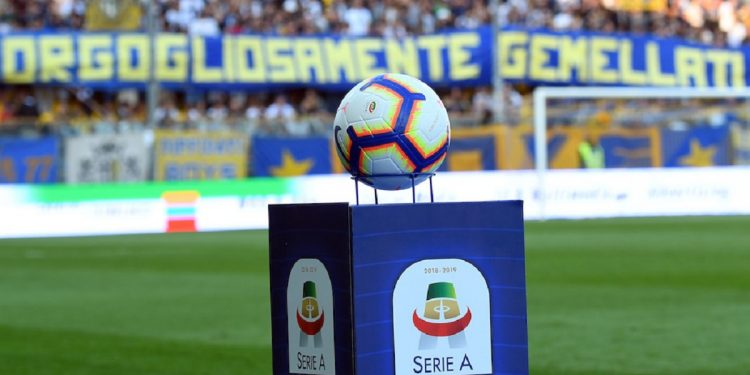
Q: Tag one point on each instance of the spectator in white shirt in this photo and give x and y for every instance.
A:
(206, 25)
(254, 111)
(175, 21)
(167, 114)
(727, 15)
(736, 35)
(192, 6)
(196, 115)
(483, 104)
(280, 110)
(217, 113)
(359, 19)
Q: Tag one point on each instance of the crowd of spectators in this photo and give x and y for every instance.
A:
(715, 22)
(720, 22)
(72, 111)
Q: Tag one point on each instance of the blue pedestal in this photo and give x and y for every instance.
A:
(434, 288)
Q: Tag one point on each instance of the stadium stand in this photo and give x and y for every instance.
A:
(73, 110)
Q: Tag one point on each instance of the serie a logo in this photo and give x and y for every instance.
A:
(310, 319)
(448, 332)
(442, 317)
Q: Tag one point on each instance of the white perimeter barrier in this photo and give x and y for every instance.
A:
(60, 210)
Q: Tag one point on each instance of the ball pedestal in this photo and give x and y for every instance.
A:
(426, 288)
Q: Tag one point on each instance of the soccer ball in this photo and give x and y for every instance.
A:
(390, 128)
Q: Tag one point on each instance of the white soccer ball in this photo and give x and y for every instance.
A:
(390, 130)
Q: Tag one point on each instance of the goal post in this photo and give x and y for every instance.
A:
(540, 114)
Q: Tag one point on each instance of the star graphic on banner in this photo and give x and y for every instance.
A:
(699, 156)
(290, 167)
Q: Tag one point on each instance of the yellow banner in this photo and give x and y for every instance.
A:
(125, 58)
(195, 155)
(617, 60)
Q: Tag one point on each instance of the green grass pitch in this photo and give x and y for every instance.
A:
(622, 297)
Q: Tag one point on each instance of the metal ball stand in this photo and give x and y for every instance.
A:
(411, 176)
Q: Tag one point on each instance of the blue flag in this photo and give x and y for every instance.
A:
(697, 147)
(28, 160)
(284, 157)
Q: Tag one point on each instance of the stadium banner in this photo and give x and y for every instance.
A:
(287, 157)
(28, 160)
(590, 58)
(475, 149)
(623, 148)
(154, 207)
(632, 148)
(260, 62)
(106, 158)
(562, 146)
(193, 155)
(449, 58)
(702, 146)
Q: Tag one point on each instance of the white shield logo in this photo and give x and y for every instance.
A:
(310, 319)
(441, 319)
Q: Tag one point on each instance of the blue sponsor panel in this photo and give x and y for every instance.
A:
(439, 288)
(701, 146)
(28, 160)
(310, 289)
(284, 156)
